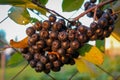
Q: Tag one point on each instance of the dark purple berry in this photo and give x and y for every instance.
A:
(46, 24)
(62, 36)
(30, 31)
(52, 18)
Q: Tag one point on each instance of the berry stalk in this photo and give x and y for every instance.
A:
(92, 8)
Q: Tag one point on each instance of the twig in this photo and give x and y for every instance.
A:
(9, 46)
(117, 12)
(73, 75)
(51, 77)
(19, 72)
(3, 19)
(92, 8)
(95, 11)
(49, 10)
(105, 71)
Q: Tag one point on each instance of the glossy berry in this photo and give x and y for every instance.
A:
(39, 67)
(71, 36)
(93, 1)
(49, 42)
(62, 36)
(52, 57)
(74, 44)
(70, 50)
(40, 44)
(93, 26)
(86, 5)
(61, 51)
(43, 59)
(82, 29)
(32, 63)
(48, 65)
(56, 44)
(37, 56)
(57, 26)
(65, 44)
(37, 26)
(46, 25)
(52, 18)
(44, 34)
(30, 31)
(57, 63)
(53, 35)
(102, 22)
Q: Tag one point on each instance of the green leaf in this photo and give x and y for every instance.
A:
(25, 4)
(71, 5)
(15, 60)
(43, 2)
(100, 44)
(19, 15)
(84, 49)
(13, 2)
(33, 20)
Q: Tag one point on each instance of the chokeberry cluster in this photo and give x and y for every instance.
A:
(52, 43)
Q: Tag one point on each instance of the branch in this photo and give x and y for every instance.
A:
(3, 19)
(51, 77)
(49, 10)
(105, 71)
(73, 75)
(19, 72)
(98, 5)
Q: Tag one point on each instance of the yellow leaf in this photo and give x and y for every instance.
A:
(95, 56)
(20, 44)
(84, 66)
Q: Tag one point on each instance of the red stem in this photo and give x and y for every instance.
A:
(87, 11)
